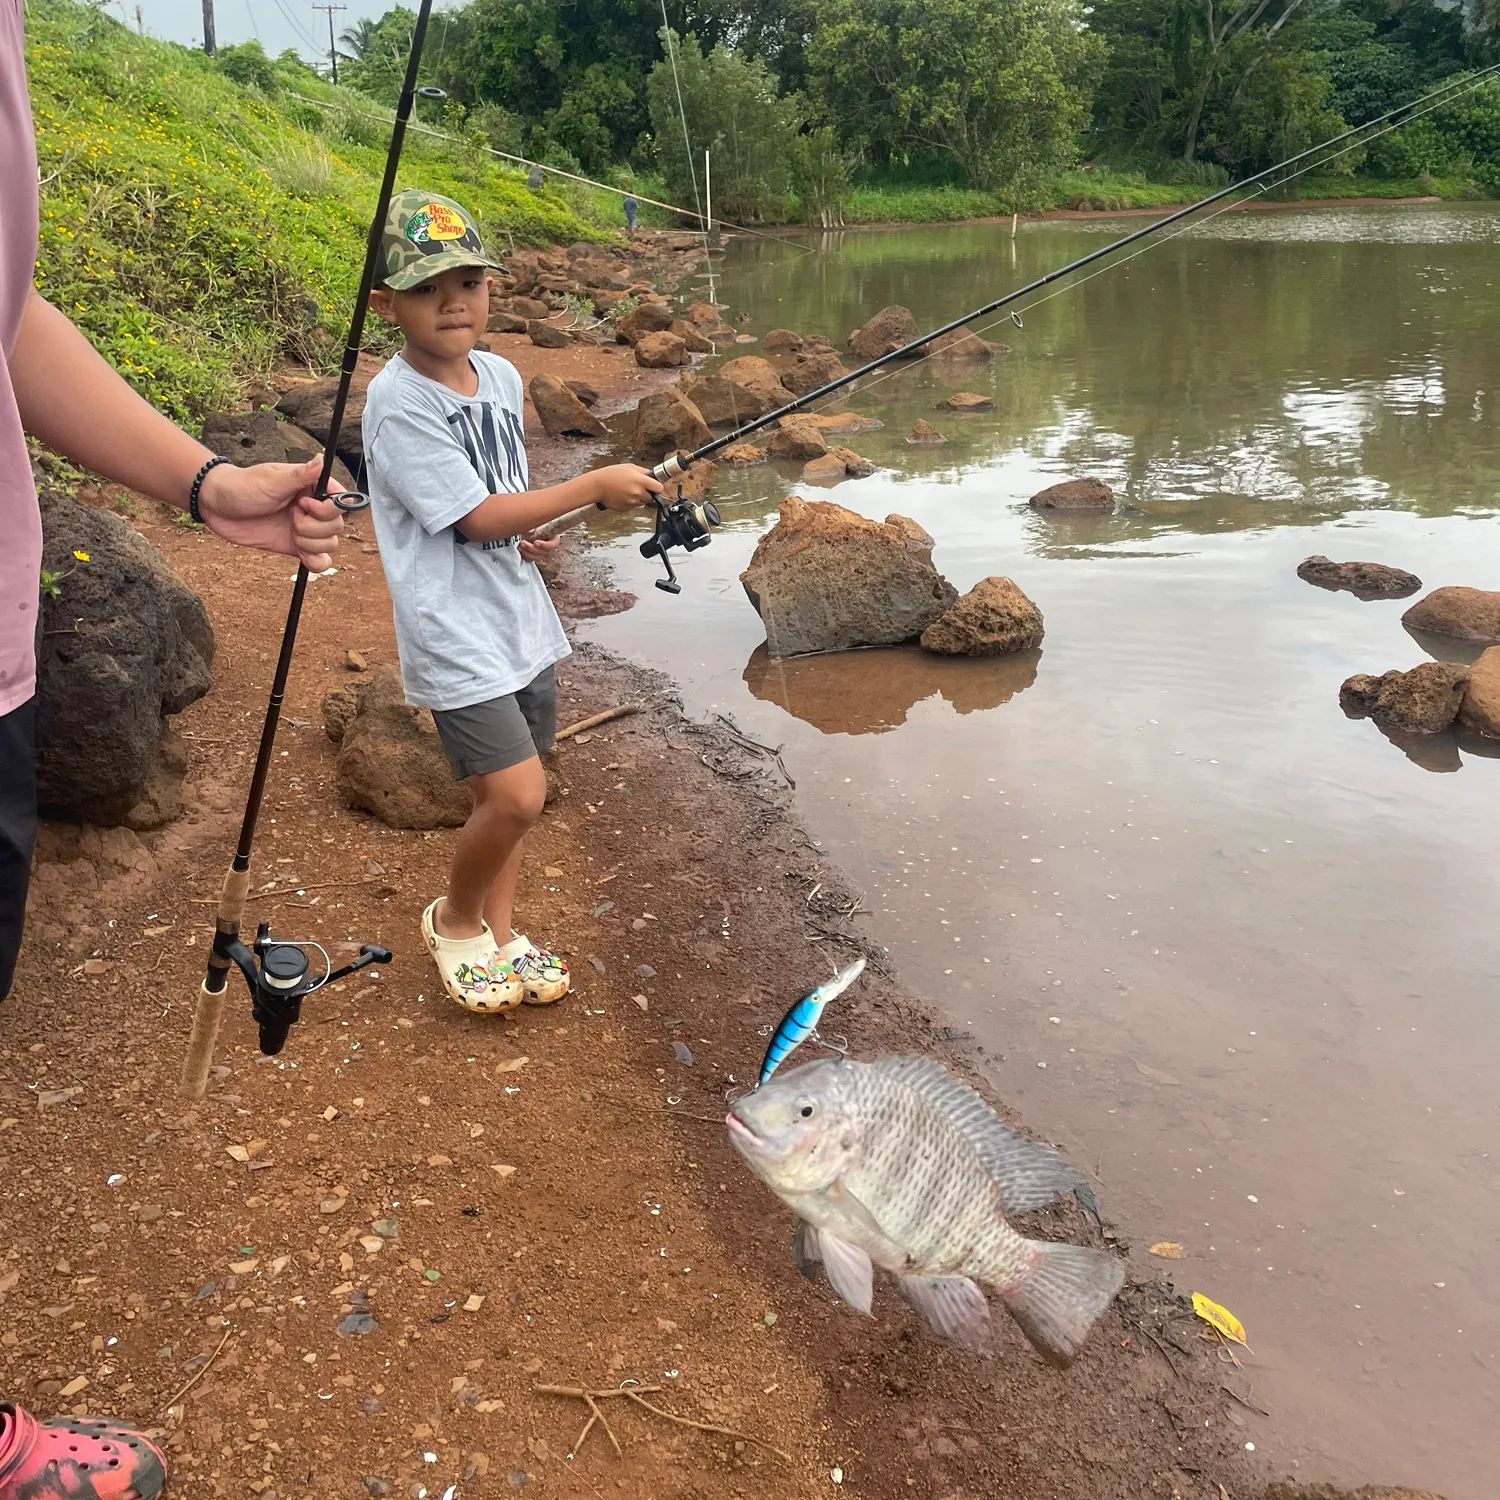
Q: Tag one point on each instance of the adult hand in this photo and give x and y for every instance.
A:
(534, 548)
(271, 506)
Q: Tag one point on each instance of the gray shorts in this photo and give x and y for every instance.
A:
(501, 733)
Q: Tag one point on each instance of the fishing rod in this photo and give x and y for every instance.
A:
(278, 973)
(677, 464)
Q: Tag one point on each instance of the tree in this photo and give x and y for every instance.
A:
(357, 38)
(731, 109)
(1003, 87)
(820, 172)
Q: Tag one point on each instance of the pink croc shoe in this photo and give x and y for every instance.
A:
(76, 1458)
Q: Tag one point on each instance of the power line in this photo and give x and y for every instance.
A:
(333, 52)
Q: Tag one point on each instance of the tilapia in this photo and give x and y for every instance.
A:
(897, 1164)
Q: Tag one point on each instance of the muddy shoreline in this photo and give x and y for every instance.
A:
(553, 1195)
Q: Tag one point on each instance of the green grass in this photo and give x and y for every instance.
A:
(199, 231)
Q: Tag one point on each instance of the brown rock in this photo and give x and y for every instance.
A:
(744, 389)
(660, 351)
(301, 446)
(843, 423)
(310, 405)
(1075, 494)
(889, 329)
(696, 483)
(648, 317)
(704, 315)
(525, 308)
(1424, 700)
(606, 301)
(796, 437)
(817, 343)
(692, 336)
(666, 421)
(923, 432)
(584, 391)
(1366, 579)
(781, 341)
(261, 437)
(1479, 714)
(961, 344)
(505, 322)
(825, 579)
(757, 381)
(743, 455)
(809, 371)
(391, 763)
(562, 413)
(547, 335)
(827, 470)
(1462, 613)
(856, 466)
(966, 401)
(993, 618)
(339, 707)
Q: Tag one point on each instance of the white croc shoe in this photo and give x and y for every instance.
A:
(474, 972)
(543, 975)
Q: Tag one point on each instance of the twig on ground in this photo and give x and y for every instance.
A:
(637, 1395)
(1248, 1404)
(286, 890)
(619, 711)
(199, 1373)
(1141, 1328)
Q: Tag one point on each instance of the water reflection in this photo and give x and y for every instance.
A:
(870, 692)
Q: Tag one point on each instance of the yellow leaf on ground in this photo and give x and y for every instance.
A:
(238, 1153)
(1168, 1250)
(1219, 1318)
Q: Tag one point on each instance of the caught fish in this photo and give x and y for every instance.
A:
(801, 1020)
(897, 1164)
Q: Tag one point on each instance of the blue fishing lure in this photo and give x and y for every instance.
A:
(801, 1020)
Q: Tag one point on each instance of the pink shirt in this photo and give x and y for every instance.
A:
(20, 521)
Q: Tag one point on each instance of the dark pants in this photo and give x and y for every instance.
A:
(17, 831)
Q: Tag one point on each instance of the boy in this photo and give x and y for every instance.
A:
(476, 632)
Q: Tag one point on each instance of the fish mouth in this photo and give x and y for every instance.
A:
(748, 1143)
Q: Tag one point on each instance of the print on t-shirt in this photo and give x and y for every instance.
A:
(483, 440)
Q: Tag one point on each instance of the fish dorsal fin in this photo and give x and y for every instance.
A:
(1027, 1175)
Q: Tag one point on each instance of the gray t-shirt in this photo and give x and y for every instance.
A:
(473, 621)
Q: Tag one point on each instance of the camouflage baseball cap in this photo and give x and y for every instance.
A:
(424, 235)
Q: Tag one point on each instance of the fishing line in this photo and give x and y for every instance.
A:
(687, 144)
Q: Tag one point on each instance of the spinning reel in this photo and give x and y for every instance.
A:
(683, 523)
(279, 975)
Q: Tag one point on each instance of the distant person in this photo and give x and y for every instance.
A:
(54, 386)
(631, 209)
(535, 178)
(477, 635)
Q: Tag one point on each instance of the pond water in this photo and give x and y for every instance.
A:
(1237, 952)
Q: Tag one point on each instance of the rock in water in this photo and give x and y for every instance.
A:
(825, 579)
(966, 401)
(808, 371)
(961, 344)
(124, 642)
(744, 388)
(994, 617)
(648, 317)
(1075, 494)
(692, 336)
(887, 331)
(842, 423)
(660, 351)
(1366, 579)
(924, 434)
(743, 455)
(563, 414)
(665, 422)
(835, 466)
(781, 341)
(390, 761)
(797, 437)
(1464, 614)
(1479, 714)
(1424, 700)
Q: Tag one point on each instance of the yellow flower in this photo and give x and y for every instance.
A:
(81, 556)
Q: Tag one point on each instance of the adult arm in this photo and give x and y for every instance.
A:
(72, 400)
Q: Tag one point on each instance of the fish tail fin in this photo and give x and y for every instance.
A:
(1061, 1296)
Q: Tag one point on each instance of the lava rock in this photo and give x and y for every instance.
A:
(1461, 613)
(743, 455)
(562, 413)
(961, 344)
(888, 330)
(124, 643)
(923, 433)
(584, 391)
(696, 340)
(501, 321)
(310, 406)
(391, 763)
(261, 437)
(1479, 714)
(547, 335)
(1366, 579)
(826, 579)
(524, 308)
(647, 317)
(744, 388)
(993, 618)
(660, 351)
(966, 401)
(843, 423)
(1425, 700)
(1076, 495)
(835, 466)
(796, 437)
(781, 341)
(665, 422)
(696, 483)
(704, 315)
(808, 371)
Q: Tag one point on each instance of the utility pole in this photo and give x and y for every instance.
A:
(140, 21)
(210, 46)
(333, 52)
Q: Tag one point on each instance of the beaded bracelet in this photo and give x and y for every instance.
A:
(196, 492)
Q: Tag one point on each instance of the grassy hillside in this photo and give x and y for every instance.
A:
(199, 230)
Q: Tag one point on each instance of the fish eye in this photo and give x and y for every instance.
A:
(806, 1111)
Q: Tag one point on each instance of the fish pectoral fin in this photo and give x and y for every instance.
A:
(807, 1254)
(849, 1270)
(1061, 1295)
(954, 1308)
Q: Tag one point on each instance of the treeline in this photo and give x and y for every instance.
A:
(801, 100)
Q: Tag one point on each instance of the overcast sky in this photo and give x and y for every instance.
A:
(278, 23)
